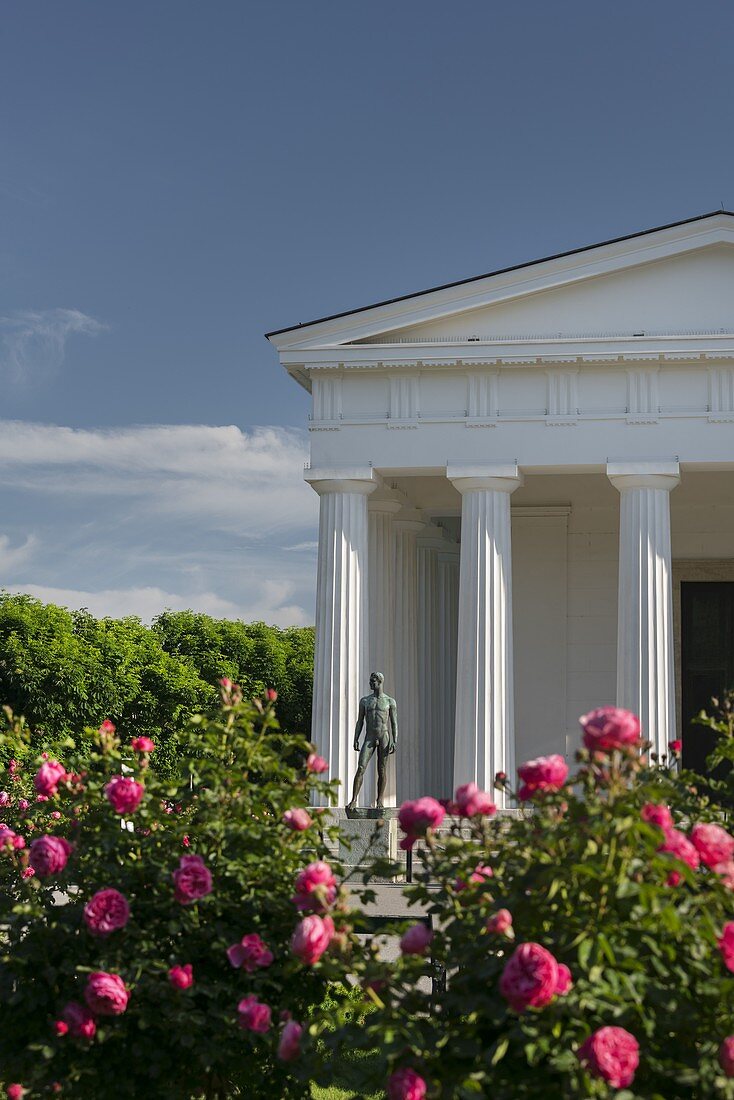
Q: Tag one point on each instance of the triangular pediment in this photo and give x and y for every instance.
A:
(672, 280)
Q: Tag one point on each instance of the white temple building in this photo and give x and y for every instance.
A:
(526, 486)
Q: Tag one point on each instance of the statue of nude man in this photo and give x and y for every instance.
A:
(380, 713)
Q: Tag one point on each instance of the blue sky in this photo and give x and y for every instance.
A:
(177, 178)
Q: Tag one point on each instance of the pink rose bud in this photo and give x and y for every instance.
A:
(181, 977)
(726, 1056)
(612, 1054)
(298, 819)
(610, 728)
(48, 777)
(106, 911)
(5, 799)
(417, 817)
(289, 1047)
(676, 747)
(192, 880)
(530, 977)
(713, 844)
(657, 814)
(473, 802)
(315, 887)
(406, 1084)
(500, 922)
(416, 939)
(544, 774)
(253, 1015)
(23, 804)
(316, 764)
(29, 872)
(679, 846)
(142, 744)
(49, 855)
(79, 1020)
(251, 953)
(311, 938)
(107, 727)
(106, 994)
(61, 1028)
(9, 840)
(124, 794)
(726, 945)
(271, 695)
(185, 841)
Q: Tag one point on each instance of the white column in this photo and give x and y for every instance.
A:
(382, 506)
(448, 626)
(485, 739)
(645, 666)
(340, 662)
(407, 523)
(429, 541)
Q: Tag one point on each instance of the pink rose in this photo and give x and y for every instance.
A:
(289, 1047)
(192, 880)
(657, 814)
(253, 1015)
(107, 727)
(48, 777)
(406, 1084)
(545, 773)
(297, 819)
(49, 855)
(726, 871)
(473, 802)
(181, 977)
(23, 804)
(315, 887)
(250, 953)
(79, 1021)
(15, 1092)
(316, 764)
(106, 994)
(676, 747)
(530, 977)
(726, 945)
(142, 744)
(5, 799)
(610, 728)
(500, 922)
(9, 839)
(124, 794)
(416, 939)
(106, 912)
(679, 846)
(726, 1056)
(612, 1054)
(565, 980)
(713, 844)
(311, 938)
(417, 817)
(61, 1028)
(481, 873)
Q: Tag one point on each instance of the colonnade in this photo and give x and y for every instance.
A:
(395, 595)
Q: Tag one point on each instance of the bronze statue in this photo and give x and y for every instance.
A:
(380, 713)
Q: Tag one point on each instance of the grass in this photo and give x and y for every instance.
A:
(356, 1071)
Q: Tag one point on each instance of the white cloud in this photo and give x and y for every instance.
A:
(33, 342)
(13, 556)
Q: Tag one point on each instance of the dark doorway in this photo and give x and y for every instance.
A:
(707, 660)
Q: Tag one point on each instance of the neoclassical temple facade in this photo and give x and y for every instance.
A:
(526, 487)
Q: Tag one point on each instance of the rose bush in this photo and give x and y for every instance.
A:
(148, 923)
(594, 959)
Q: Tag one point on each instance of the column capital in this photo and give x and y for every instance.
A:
(385, 500)
(653, 474)
(341, 479)
(409, 519)
(499, 477)
(431, 537)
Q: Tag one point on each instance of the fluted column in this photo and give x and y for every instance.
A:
(429, 542)
(485, 736)
(448, 626)
(382, 506)
(340, 660)
(407, 523)
(645, 664)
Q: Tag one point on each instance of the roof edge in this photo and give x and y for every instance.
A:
(499, 271)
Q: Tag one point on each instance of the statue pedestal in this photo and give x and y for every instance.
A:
(366, 835)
